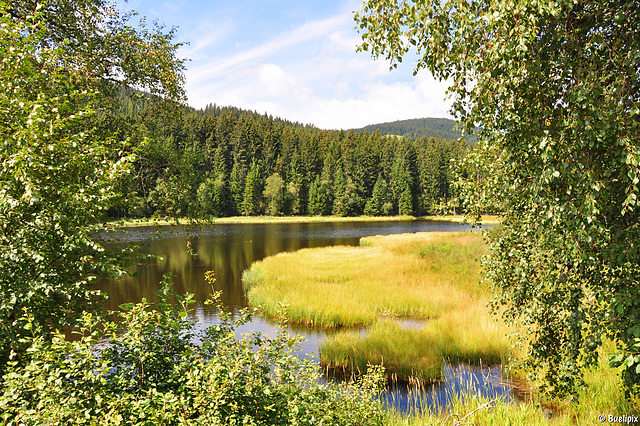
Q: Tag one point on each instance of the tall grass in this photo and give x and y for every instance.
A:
(351, 286)
(406, 354)
(465, 334)
(489, 413)
(429, 276)
(602, 394)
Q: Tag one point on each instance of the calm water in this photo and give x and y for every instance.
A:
(229, 249)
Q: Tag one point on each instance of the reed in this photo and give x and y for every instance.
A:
(351, 286)
(407, 354)
(415, 355)
(482, 412)
(432, 277)
(602, 395)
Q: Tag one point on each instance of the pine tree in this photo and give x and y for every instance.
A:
(236, 186)
(405, 203)
(250, 203)
(327, 184)
(339, 185)
(295, 186)
(318, 197)
(375, 204)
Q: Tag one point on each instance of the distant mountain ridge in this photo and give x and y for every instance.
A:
(419, 127)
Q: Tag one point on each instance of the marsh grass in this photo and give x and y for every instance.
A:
(406, 354)
(433, 279)
(428, 276)
(350, 286)
(602, 394)
(492, 413)
(467, 334)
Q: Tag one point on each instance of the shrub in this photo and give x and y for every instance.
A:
(147, 369)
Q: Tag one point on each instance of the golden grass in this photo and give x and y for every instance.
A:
(406, 354)
(430, 276)
(350, 286)
(465, 334)
(602, 395)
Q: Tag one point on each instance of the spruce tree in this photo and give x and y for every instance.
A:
(236, 187)
(374, 206)
(251, 202)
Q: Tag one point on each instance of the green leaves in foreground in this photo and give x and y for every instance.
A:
(553, 87)
(148, 370)
(57, 179)
(64, 154)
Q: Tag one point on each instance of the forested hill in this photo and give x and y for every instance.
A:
(442, 128)
(226, 161)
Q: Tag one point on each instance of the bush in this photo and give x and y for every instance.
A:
(146, 369)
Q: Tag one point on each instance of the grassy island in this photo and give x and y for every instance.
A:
(409, 302)
(369, 293)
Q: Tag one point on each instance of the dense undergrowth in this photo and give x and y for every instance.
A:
(148, 370)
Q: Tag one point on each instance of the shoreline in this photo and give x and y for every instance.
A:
(133, 223)
(430, 278)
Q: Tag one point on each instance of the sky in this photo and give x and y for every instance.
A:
(295, 60)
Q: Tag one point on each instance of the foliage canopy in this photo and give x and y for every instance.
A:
(555, 89)
(61, 158)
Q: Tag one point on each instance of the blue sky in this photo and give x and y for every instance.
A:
(292, 59)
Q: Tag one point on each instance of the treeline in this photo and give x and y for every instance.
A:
(223, 161)
(420, 127)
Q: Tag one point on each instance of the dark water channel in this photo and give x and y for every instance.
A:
(229, 249)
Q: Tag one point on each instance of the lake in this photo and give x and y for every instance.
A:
(229, 249)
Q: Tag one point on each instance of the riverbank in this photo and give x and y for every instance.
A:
(330, 285)
(602, 395)
(415, 300)
(131, 223)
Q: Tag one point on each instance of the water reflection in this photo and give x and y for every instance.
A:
(459, 379)
(229, 249)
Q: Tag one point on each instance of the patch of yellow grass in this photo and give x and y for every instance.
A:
(407, 354)
(350, 286)
(429, 276)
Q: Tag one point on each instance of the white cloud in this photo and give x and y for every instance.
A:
(271, 89)
(205, 35)
(274, 78)
(381, 102)
(297, 36)
(312, 74)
